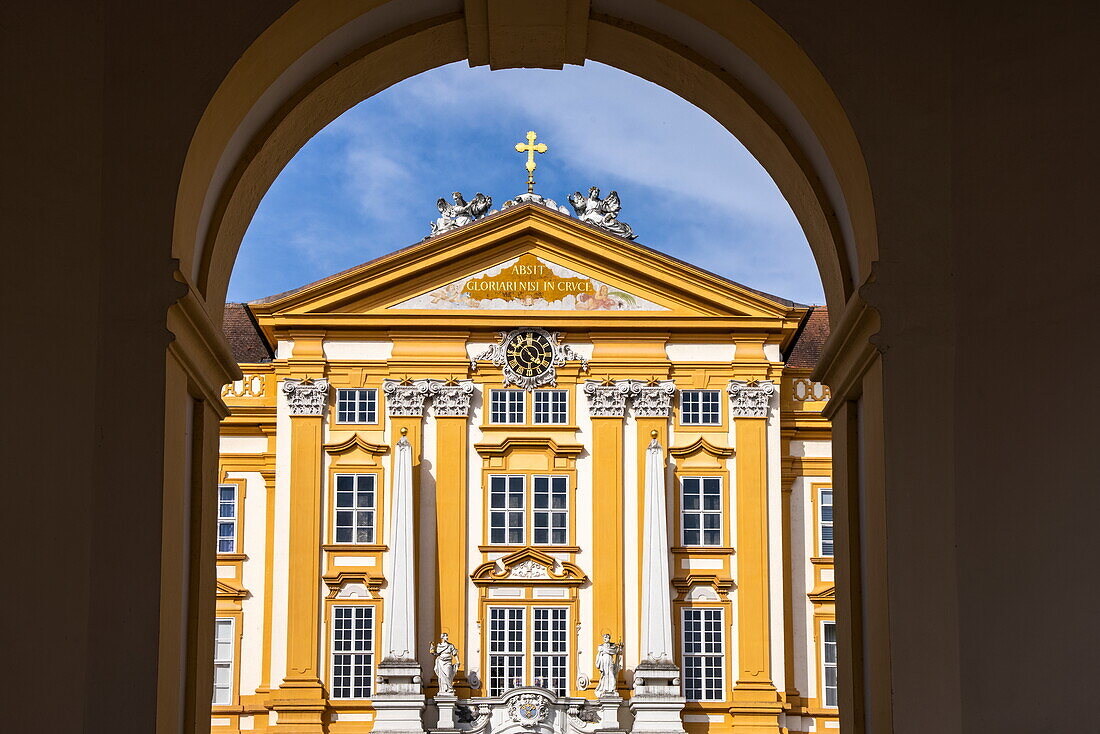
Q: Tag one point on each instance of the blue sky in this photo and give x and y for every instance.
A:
(367, 184)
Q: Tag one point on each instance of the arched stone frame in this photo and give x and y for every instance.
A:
(319, 59)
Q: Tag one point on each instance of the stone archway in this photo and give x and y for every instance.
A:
(319, 59)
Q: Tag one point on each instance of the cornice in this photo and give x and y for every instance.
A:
(356, 442)
(553, 572)
(701, 444)
(529, 443)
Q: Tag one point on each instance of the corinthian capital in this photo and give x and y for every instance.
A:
(405, 398)
(451, 399)
(651, 399)
(750, 399)
(306, 397)
(606, 399)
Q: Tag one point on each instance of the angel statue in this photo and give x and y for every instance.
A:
(461, 212)
(446, 664)
(601, 212)
(607, 662)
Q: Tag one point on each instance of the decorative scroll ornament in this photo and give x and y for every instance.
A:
(750, 399)
(601, 212)
(535, 199)
(461, 213)
(529, 570)
(528, 357)
(405, 398)
(651, 399)
(451, 399)
(528, 709)
(606, 399)
(306, 397)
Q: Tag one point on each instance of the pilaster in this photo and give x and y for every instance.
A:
(300, 699)
(451, 404)
(607, 407)
(756, 704)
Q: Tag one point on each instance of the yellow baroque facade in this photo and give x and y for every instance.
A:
(601, 472)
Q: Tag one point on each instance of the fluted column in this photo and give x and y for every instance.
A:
(606, 408)
(300, 697)
(756, 708)
(451, 406)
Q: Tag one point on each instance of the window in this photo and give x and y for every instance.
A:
(828, 660)
(355, 505)
(508, 645)
(701, 505)
(551, 406)
(357, 406)
(551, 510)
(352, 651)
(825, 521)
(506, 510)
(223, 661)
(227, 518)
(704, 655)
(700, 408)
(506, 406)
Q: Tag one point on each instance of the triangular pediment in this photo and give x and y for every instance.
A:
(527, 259)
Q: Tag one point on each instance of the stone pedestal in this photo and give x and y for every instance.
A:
(398, 700)
(657, 703)
(446, 706)
(609, 708)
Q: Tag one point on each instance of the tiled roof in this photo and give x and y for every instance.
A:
(244, 337)
(807, 346)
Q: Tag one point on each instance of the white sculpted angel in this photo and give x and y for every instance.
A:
(601, 212)
(607, 662)
(461, 212)
(446, 664)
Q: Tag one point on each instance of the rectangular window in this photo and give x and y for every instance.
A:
(704, 655)
(825, 521)
(352, 651)
(828, 659)
(701, 515)
(506, 406)
(357, 406)
(355, 508)
(551, 406)
(506, 510)
(227, 518)
(551, 653)
(700, 408)
(551, 510)
(223, 661)
(506, 649)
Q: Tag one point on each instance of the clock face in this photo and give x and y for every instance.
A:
(529, 353)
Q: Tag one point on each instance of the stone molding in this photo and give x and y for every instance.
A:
(306, 397)
(750, 399)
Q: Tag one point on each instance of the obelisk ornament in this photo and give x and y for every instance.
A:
(530, 148)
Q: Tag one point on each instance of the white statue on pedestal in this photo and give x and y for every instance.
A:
(607, 662)
(446, 664)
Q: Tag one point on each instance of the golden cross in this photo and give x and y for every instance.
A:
(530, 149)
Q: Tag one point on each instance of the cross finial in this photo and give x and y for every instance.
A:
(530, 149)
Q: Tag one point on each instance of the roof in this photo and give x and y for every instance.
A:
(810, 340)
(244, 337)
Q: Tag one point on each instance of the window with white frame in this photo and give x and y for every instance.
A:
(551, 510)
(352, 651)
(704, 654)
(223, 661)
(507, 515)
(509, 644)
(828, 662)
(227, 518)
(355, 508)
(700, 407)
(506, 406)
(825, 521)
(359, 405)
(701, 511)
(551, 406)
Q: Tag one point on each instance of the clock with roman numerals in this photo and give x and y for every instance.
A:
(529, 357)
